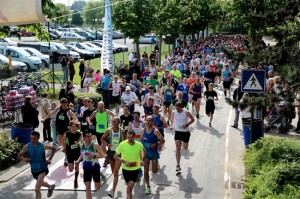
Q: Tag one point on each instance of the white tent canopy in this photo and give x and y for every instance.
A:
(19, 12)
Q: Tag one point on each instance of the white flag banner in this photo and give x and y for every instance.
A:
(107, 47)
(19, 12)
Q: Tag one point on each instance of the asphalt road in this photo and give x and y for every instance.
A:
(205, 167)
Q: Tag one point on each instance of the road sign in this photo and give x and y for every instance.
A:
(253, 80)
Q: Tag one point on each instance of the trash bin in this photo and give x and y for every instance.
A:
(21, 133)
(258, 131)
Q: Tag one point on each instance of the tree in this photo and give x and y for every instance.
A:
(77, 20)
(94, 12)
(59, 10)
(134, 18)
(78, 5)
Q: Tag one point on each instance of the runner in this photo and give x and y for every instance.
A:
(132, 156)
(226, 76)
(137, 84)
(87, 113)
(126, 118)
(102, 123)
(84, 125)
(151, 139)
(157, 99)
(184, 88)
(182, 119)
(115, 88)
(168, 93)
(210, 77)
(88, 77)
(159, 122)
(148, 108)
(210, 96)
(90, 153)
(129, 98)
(71, 140)
(39, 164)
(181, 100)
(196, 90)
(63, 117)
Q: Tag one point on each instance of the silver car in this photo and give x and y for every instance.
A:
(19, 66)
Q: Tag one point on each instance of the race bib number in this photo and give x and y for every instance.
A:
(61, 117)
(101, 126)
(210, 98)
(74, 146)
(147, 145)
(115, 142)
(137, 135)
(126, 128)
(184, 91)
(132, 164)
(169, 93)
(87, 74)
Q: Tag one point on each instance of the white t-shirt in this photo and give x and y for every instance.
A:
(115, 88)
(155, 101)
(181, 119)
(82, 109)
(128, 98)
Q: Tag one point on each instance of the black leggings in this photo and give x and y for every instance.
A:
(47, 130)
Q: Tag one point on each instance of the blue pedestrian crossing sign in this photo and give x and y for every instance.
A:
(253, 80)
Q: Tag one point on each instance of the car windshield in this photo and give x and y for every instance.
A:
(23, 52)
(92, 45)
(3, 58)
(53, 48)
(34, 51)
(60, 46)
(85, 45)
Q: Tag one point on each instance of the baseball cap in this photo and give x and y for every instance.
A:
(127, 88)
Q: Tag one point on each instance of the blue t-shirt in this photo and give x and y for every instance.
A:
(37, 157)
(105, 82)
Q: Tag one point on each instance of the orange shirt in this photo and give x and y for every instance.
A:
(190, 81)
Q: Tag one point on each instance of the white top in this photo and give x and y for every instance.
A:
(137, 130)
(115, 88)
(155, 101)
(128, 98)
(181, 119)
(82, 109)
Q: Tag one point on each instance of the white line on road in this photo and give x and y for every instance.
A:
(226, 167)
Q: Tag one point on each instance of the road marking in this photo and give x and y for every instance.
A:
(226, 167)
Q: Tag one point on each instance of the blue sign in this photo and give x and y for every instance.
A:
(253, 80)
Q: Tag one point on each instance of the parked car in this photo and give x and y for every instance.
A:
(55, 32)
(24, 33)
(7, 41)
(75, 55)
(84, 54)
(53, 36)
(72, 36)
(97, 34)
(87, 35)
(19, 54)
(120, 47)
(84, 46)
(19, 66)
(148, 39)
(43, 57)
(93, 46)
(60, 49)
(99, 43)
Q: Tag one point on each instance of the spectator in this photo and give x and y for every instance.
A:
(81, 71)
(45, 111)
(64, 69)
(30, 113)
(71, 68)
(105, 86)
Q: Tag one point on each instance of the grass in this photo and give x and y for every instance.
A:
(95, 63)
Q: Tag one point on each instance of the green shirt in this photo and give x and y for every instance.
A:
(152, 82)
(101, 122)
(130, 153)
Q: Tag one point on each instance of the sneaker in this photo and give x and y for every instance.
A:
(140, 173)
(50, 191)
(178, 168)
(105, 163)
(168, 123)
(111, 194)
(65, 163)
(197, 116)
(50, 140)
(209, 125)
(147, 190)
(296, 130)
(233, 126)
(75, 184)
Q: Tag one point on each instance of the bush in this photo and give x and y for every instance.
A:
(8, 151)
(273, 169)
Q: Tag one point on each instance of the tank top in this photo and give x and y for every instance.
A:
(89, 164)
(115, 139)
(137, 130)
(136, 84)
(149, 138)
(70, 141)
(37, 157)
(148, 110)
(185, 91)
(197, 89)
(115, 87)
(123, 88)
(158, 123)
(168, 95)
(180, 120)
(154, 96)
(101, 122)
(62, 120)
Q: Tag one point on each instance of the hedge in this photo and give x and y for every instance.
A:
(273, 169)
(8, 151)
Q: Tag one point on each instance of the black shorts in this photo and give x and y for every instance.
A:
(130, 175)
(99, 136)
(89, 174)
(183, 136)
(36, 175)
(167, 104)
(115, 99)
(110, 155)
(72, 156)
(196, 97)
(226, 84)
(61, 131)
(209, 109)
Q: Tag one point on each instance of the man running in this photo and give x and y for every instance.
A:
(129, 98)
(196, 89)
(39, 164)
(182, 119)
(168, 93)
(126, 118)
(112, 138)
(181, 100)
(132, 160)
(90, 153)
(151, 139)
(159, 122)
(226, 76)
(210, 96)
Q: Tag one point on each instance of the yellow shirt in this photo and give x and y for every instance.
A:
(176, 74)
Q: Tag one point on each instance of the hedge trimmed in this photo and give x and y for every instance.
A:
(273, 169)
(9, 150)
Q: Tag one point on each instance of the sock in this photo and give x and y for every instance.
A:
(76, 175)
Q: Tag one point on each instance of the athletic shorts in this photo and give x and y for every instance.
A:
(167, 104)
(61, 132)
(89, 174)
(130, 175)
(87, 80)
(183, 136)
(72, 156)
(152, 155)
(226, 84)
(36, 175)
(196, 97)
(99, 136)
(209, 109)
(115, 99)
(110, 155)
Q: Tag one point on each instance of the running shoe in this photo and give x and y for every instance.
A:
(178, 168)
(168, 123)
(140, 173)
(111, 194)
(209, 125)
(65, 163)
(197, 116)
(147, 190)
(75, 184)
(50, 191)
(105, 162)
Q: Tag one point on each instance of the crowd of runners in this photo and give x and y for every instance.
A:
(129, 139)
